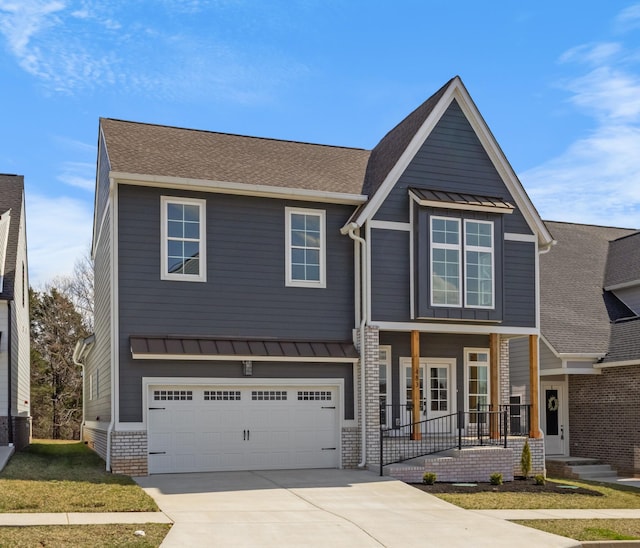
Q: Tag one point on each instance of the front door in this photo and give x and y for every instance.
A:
(552, 419)
(435, 385)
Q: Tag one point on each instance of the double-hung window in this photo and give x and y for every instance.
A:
(462, 262)
(477, 373)
(478, 264)
(305, 247)
(183, 240)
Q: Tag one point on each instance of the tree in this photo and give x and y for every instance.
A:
(56, 393)
(78, 288)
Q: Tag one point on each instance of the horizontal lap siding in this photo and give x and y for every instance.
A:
(245, 293)
(390, 271)
(99, 358)
(452, 158)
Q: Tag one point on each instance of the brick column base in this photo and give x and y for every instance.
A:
(129, 453)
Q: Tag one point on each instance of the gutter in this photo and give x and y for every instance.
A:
(79, 354)
(364, 303)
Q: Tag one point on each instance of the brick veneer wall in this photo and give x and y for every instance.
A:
(503, 361)
(536, 446)
(129, 453)
(372, 393)
(604, 414)
(350, 447)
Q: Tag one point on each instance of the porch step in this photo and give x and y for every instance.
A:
(592, 471)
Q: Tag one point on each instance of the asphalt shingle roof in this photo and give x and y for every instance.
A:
(624, 344)
(623, 265)
(11, 194)
(148, 149)
(574, 314)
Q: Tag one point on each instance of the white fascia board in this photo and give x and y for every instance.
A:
(577, 356)
(514, 237)
(457, 91)
(566, 371)
(454, 328)
(242, 189)
(390, 225)
(624, 363)
(623, 285)
(238, 358)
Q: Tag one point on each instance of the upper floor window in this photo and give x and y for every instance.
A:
(183, 239)
(458, 247)
(305, 247)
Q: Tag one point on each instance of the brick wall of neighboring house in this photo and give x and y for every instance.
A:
(604, 414)
(129, 453)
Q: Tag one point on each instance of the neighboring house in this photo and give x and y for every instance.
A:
(15, 421)
(590, 345)
(237, 277)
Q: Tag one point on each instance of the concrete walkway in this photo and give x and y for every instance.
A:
(319, 508)
(83, 518)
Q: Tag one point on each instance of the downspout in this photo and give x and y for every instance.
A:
(76, 361)
(9, 378)
(364, 304)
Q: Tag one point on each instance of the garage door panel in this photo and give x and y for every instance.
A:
(219, 428)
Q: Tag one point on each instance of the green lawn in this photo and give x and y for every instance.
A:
(94, 536)
(578, 529)
(53, 476)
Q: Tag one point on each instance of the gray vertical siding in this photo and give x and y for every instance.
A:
(452, 158)
(519, 366)
(390, 275)
(519, 286)
(244, 295)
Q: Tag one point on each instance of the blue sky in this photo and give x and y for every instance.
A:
(557, 82)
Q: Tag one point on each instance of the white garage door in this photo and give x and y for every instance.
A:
(214, 428)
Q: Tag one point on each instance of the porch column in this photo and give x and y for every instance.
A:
(534, 380)
(416, 434)
(494, 384)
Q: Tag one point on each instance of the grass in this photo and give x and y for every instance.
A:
(613, 497)
(94, 536)
(588, 529)
(53, 476)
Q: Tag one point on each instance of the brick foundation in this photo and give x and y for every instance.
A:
(129, 453)
(350, 447)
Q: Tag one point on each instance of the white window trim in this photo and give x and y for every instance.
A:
(164, 273)
(387, 367)
(468, 351)
(458, 247)
(289, 281)
(482, 250)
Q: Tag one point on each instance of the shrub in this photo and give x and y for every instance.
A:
(429, 478)
(525, 460)
(496, 478)
(539, 479)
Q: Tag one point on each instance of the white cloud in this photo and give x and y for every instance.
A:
(629, 18)
(597, 179)
(84, 45)
(78, 174)
(58, 233)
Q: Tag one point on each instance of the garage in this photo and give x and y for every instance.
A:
(222, 428)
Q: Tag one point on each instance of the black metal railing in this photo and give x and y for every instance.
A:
(401, 438)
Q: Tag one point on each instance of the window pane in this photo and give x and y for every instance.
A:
(313, 273)
(297, 272)
(175, 229)
(174, 248)
(175, 265)
(191, 249)
(312, 257)
(175, 212)
(312, 239)
(297, 221)
(191, 213)
(312, 223)
(297, 256)
(192, 230)
(298, 238)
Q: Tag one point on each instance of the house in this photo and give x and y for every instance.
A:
(266, 304)
(15, 421)
(590, 345)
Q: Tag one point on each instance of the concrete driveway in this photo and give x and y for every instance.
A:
(335, 508)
